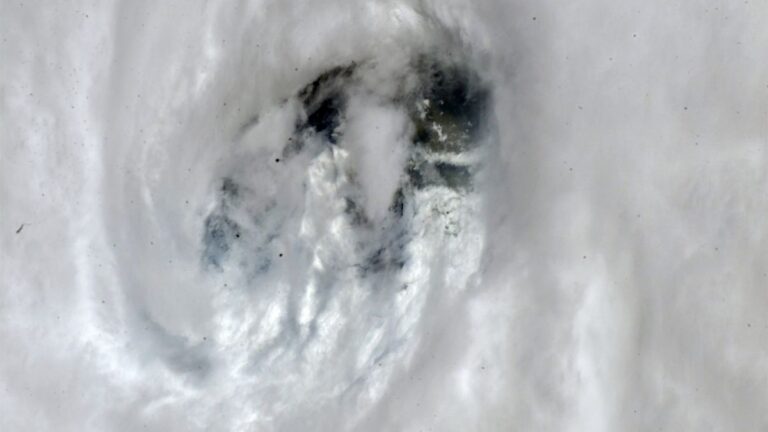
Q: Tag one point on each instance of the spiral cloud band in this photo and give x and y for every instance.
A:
(383, 216)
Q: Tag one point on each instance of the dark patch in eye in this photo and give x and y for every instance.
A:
(314, 90)
(450, 107)
(454, 176)
(398, 203)
(448, 115)
(324, 102)
(423, 174)
(423, 134)
(327, 117)
(219, 233)
(454, 92)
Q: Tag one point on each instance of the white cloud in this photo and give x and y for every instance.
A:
(604, 271)
(377, 137)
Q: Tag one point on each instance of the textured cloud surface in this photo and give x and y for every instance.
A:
(383, 216)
